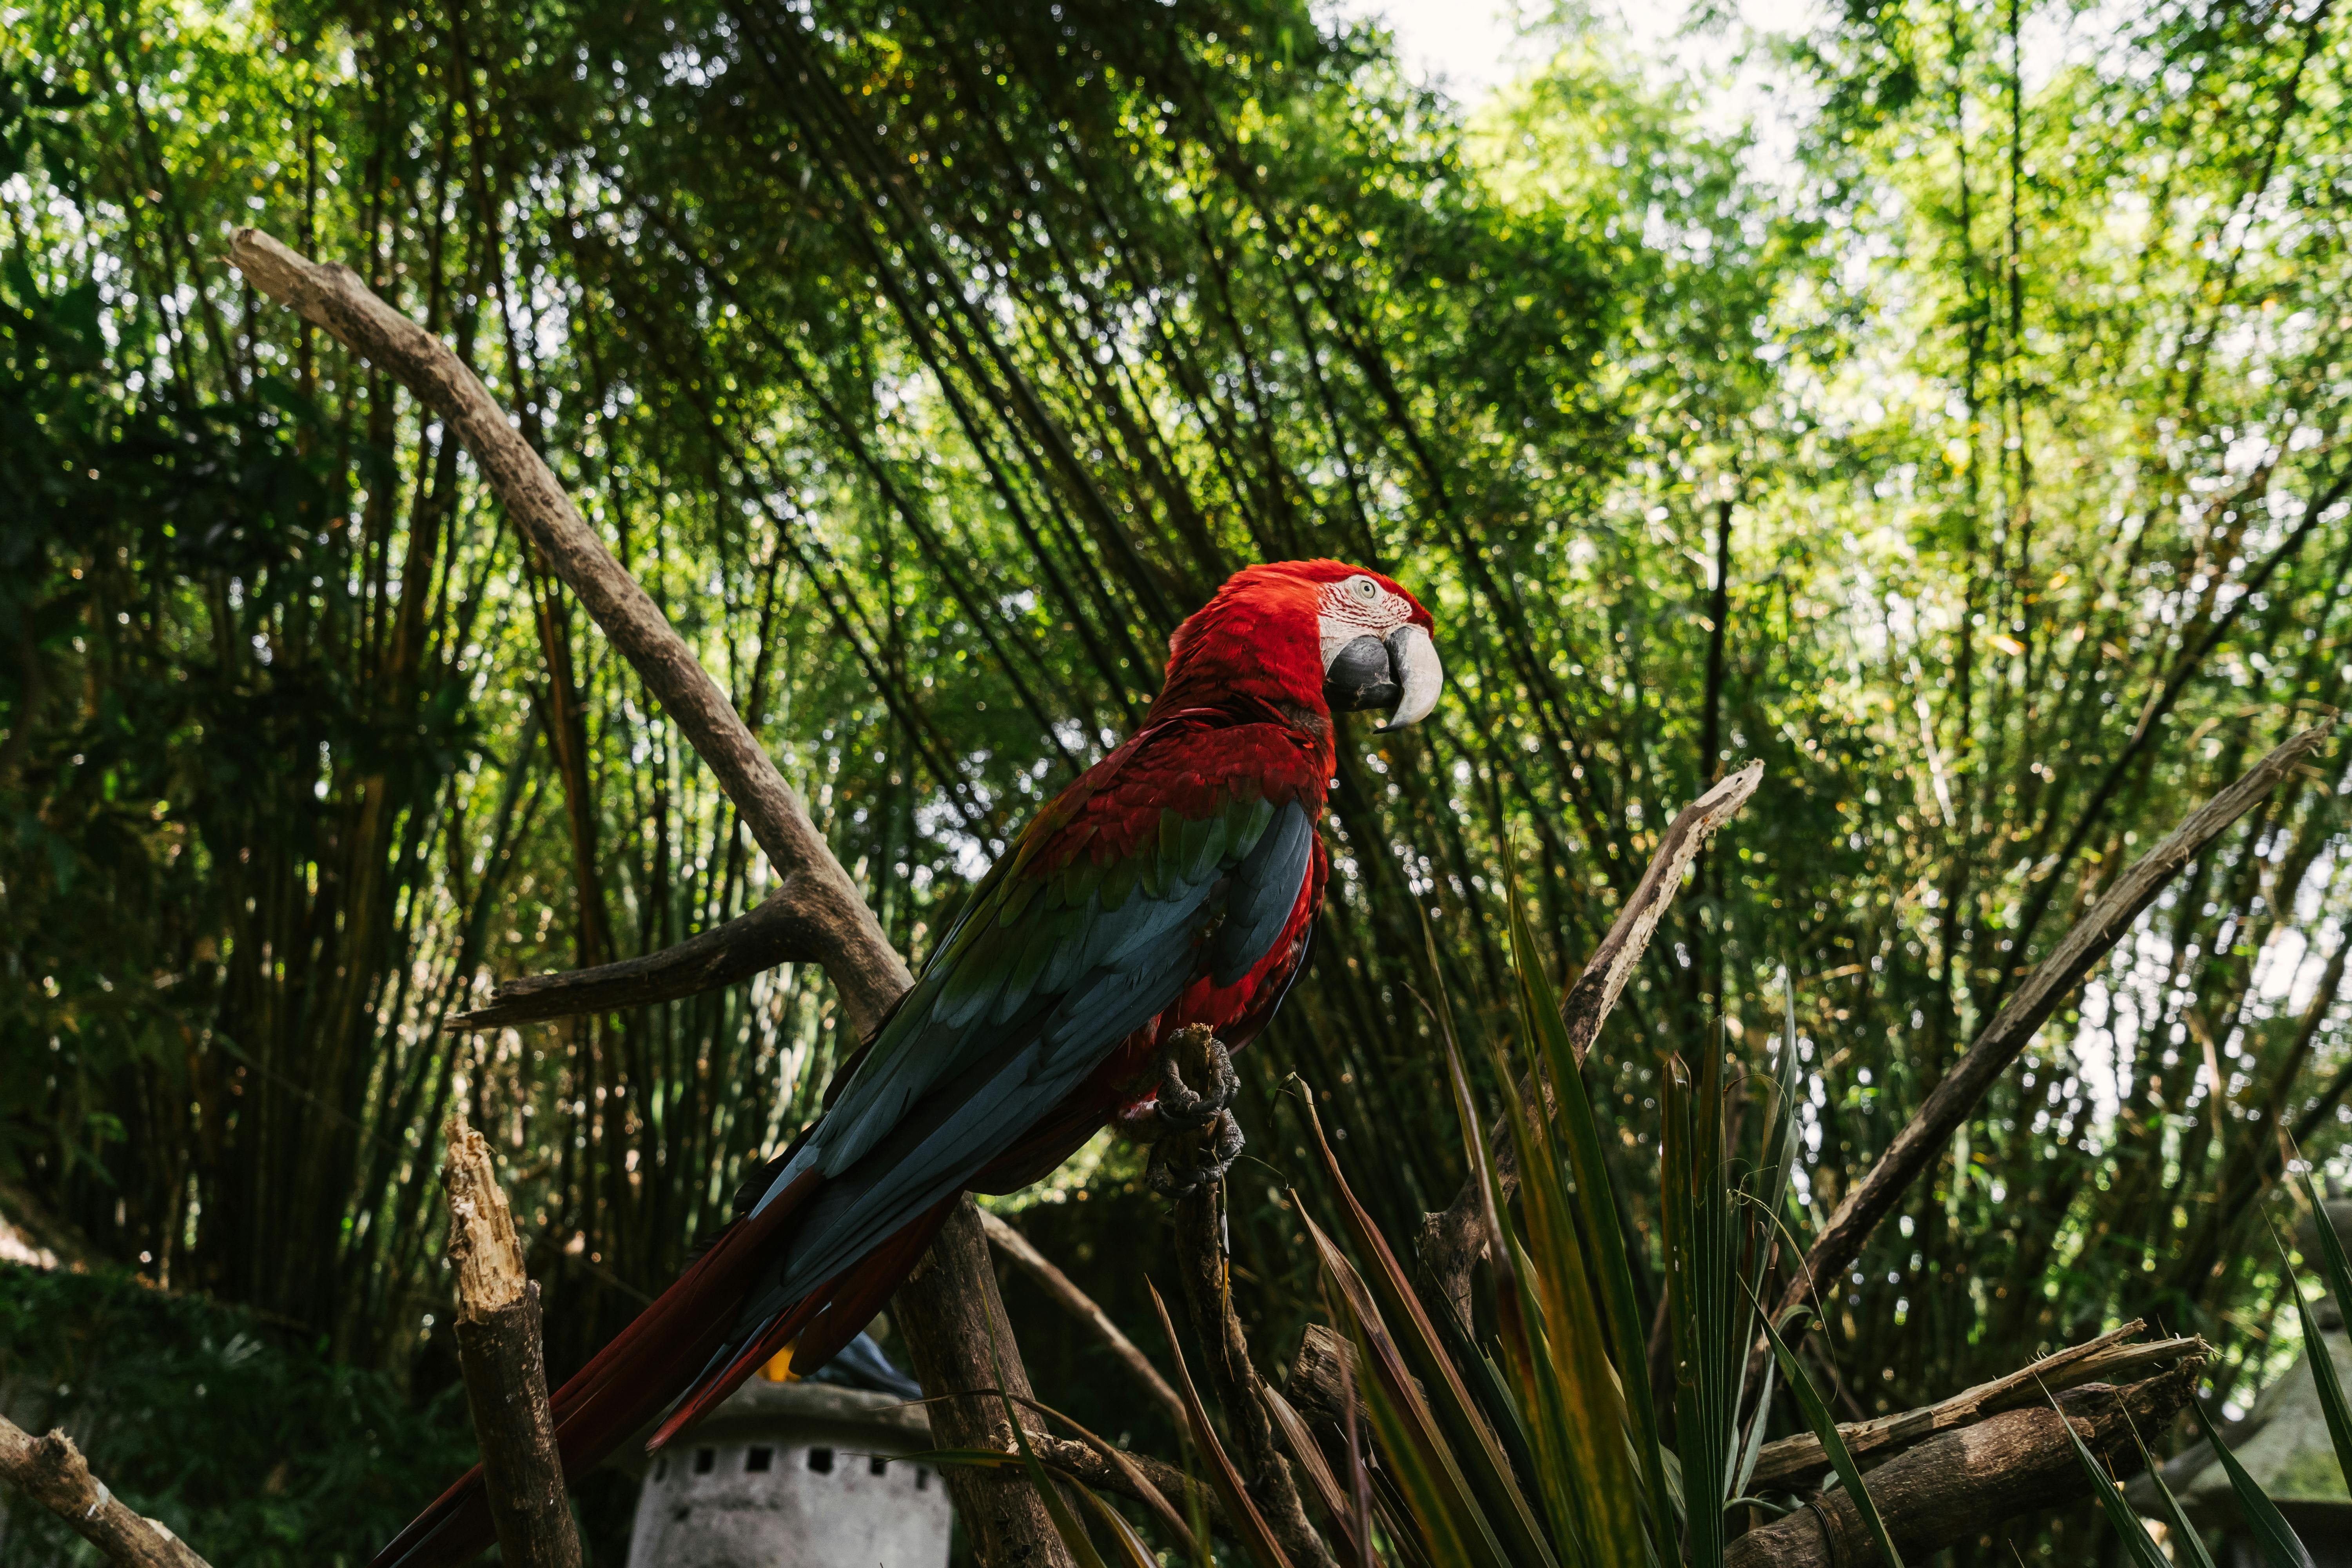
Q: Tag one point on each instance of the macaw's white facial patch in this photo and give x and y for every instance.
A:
(1358, 607)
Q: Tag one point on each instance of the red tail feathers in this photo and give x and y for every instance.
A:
(630, 1380)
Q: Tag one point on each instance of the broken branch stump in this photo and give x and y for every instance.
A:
(506, 1375)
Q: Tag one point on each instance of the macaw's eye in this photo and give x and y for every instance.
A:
(1366, 590)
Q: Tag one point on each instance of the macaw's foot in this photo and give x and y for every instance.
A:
(1182, 1109)
(1182, 1164)
(1203, 1140)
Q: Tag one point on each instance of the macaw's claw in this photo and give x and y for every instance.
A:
(1171, 1177)
(1181, 1109)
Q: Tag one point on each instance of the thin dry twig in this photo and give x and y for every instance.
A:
(1453, 1240)
(1915, 1148)
(1081, 1306)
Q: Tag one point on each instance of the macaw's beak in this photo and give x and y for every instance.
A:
(1399, 673)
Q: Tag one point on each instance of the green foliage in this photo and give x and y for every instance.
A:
(220, 1425)
(1979, 470)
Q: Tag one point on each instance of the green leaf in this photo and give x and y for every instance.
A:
(1469, 1441)
(2279, 1545)
(1817, 1416)
(2338, 1273)
(2139, 1545)
(1596, 1214)
(2191, 1543)
(1425, 1466)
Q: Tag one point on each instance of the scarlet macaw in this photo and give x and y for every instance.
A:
(1175, 883)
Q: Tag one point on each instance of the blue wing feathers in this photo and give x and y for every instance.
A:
(1021, 1004)
(1264, 892)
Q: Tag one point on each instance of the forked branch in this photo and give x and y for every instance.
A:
(946, 1307)
(837, 930)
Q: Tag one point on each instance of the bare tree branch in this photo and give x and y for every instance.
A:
(1453, 1240)
(946, 1308)
(51, 1472)
(840, 932)
(773, 932)
(1915, 1148)
(2101, 1360)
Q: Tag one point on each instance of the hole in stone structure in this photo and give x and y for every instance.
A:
(922, 1480)
(705, 1460)
(757, 1459)
(877, 1465)
(820, 1461)
(681, 1513)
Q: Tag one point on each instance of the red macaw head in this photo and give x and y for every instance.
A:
(1317, 635)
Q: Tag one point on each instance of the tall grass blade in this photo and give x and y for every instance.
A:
(2279, 1545)
(1817, 1416)
(1444, 1506)
(1132, 1552)
(1596, 1214)
(1592, 1462)
(1464, 1429)
(2191, 1548)
(2139, 1545)
(1337, 1505)
(1778, 1168)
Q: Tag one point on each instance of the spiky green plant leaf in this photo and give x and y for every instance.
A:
(1824, 1426)
(1257, 1539)
(2139, 1545)
(2279, 1544)
(2338, 1273)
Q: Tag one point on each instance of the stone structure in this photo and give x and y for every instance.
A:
(794, 1475)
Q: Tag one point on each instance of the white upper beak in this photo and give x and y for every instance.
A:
(1425, 677)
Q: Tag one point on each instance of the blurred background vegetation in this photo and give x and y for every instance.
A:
(1958, 427)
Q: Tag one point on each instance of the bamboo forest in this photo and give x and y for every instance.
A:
(1876, 475)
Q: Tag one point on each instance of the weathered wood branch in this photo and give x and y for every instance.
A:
(839, 932)
(2106, 1359)
(1922, 1140)
(51, 1472)
(1081, 1306)
(778, 930)
(505, 1370)
(1453, 1240)
(945, 1310)
(1955, 1486)
(961, 1340)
